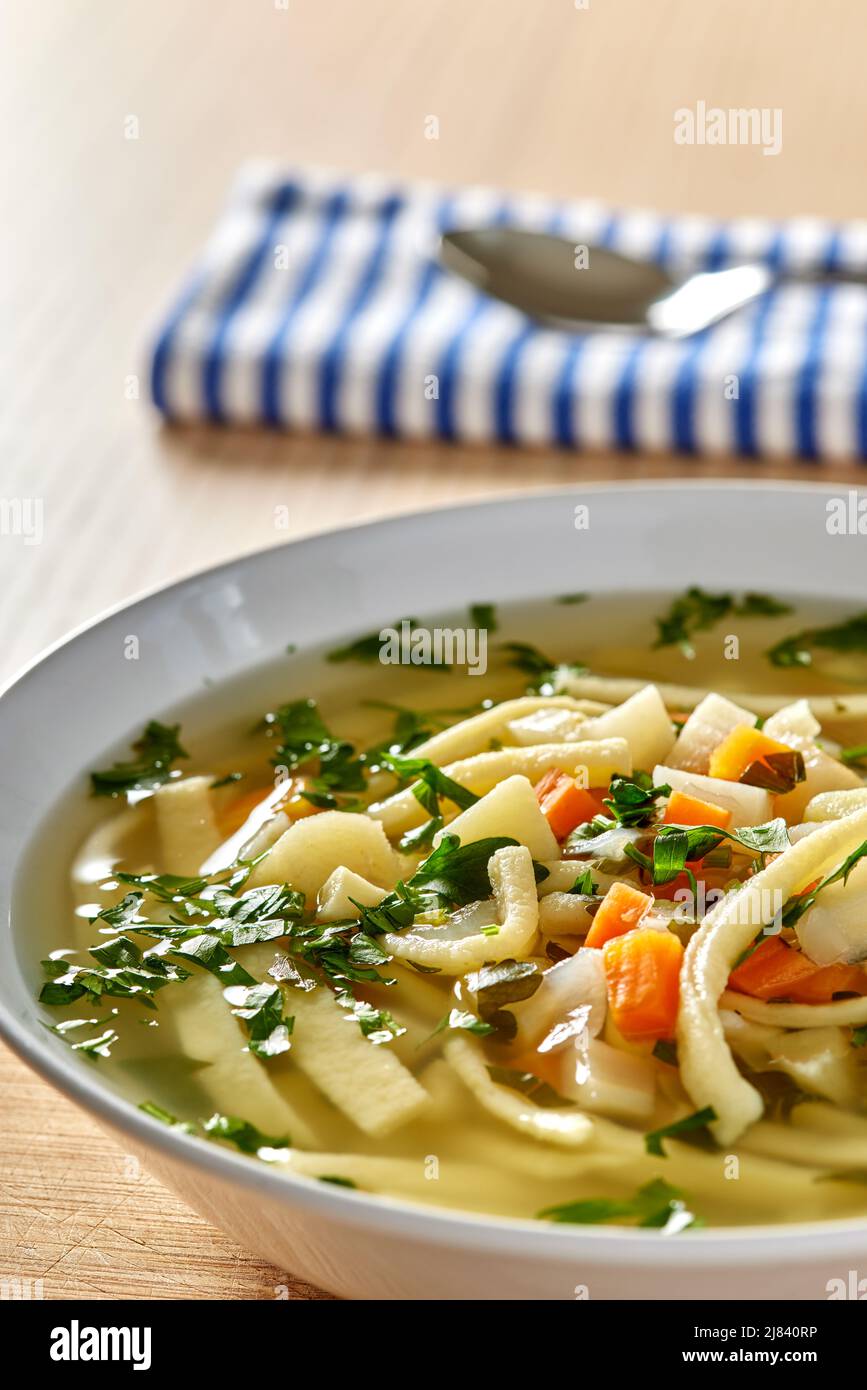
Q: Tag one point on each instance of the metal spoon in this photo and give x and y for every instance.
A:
(542, 275)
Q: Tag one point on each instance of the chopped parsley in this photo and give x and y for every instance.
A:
(675, 847)
(230, 1128)
(696, 610)
(303, 738)
(856, 754)
(632, 800)
(484, 615)
(461, 1020)
(797, 650)
(656, 1204)
(365, 649)
(432, 784)
(795, 908)
(156, 749)
(695, 1126)
(584, 885)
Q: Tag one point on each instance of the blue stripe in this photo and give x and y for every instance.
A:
(284, 198)
(624, 392)
(685, 382)
(564, 399)
(389, 372)
(449, 365)
(861, 410)
(335, 355)
(808, 377)
(746, 405)
(272, 364)
(833, 257)
(504, 382)
(164, 347)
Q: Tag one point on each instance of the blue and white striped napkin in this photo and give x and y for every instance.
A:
(319, 304)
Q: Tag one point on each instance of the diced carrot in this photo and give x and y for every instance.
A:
(772, 971)
(621, 910)
(232, 816)
(564, 804)
(743, 746)
(691, 810)
(642, 970)
(828, 981)
(547, 782)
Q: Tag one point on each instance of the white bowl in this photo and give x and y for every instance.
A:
(80, 698)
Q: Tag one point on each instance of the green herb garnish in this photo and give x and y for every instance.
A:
(584, 885)
(795, 908)
(632, 800)
(694, 1125)
(697, 610)
(461, 1020)
(157, 748)
(656, 1204)
(674, 847)
(797, 650)
(484, 615)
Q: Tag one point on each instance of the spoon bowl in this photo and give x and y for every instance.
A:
(575, 286)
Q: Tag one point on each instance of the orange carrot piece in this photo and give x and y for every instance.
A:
(620, 911)
(691, 810)
(773, 971)
(564, 804)
(233, 815)
(642, 970)
(828, 981)
(743, 746)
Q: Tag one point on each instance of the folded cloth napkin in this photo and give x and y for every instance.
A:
(319, 304)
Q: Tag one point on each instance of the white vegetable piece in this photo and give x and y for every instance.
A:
(547, 725)
(823, 774)
(748, 805)
(565, 914)
(712, 720)
(602, 1079)
(834, 805)
(510, 871)
(562, 874)
(510, 809)
(365, 1080)
(819, 1060)
(835, 927)
(313, 848)
(187, 824)
(643, 721)
(341, 891)
(795, 724)
(800, 832)
(571, 999)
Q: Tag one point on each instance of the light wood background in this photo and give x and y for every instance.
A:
(97, 231)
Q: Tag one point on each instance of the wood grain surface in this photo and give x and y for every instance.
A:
(564, 97)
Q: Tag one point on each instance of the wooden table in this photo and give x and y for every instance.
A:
(98, 229)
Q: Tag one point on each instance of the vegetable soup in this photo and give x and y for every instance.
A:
(566, 919)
